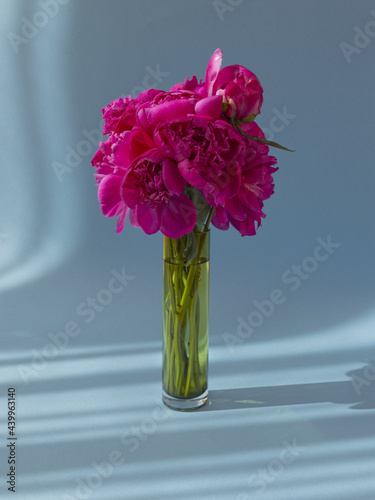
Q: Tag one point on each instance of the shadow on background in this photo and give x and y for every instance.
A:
(359, 392)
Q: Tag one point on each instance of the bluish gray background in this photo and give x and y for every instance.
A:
(301, 377)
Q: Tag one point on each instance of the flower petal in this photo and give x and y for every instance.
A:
(148, 217)
(181, 105)
(190, 174)
(236, 209)
(246, 228)
(225, 182)
(121, 219)
(109, 195)
(220, 219)
(178, 217)
(172, 178)
(130, 190)
(213, 68)
(133, 217)
(140, 142)
(210, 107)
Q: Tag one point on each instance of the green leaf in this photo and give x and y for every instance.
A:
(265, 141)
(191, 248)
(201, 206)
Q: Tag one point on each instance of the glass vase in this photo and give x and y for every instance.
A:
(185, 320)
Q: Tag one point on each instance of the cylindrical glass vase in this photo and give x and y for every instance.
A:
(185, 320)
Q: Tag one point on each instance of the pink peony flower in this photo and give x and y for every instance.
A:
(119, 115)
(257, 185)
(240, 88)
(206, 154)
(112, 161)
(118, 151)
(153, 188)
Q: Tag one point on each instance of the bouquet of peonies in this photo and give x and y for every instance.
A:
(177, 160)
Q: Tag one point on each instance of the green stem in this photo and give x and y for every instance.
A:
(193, 363)
(190, 279)
(192, 349)
(182, 375)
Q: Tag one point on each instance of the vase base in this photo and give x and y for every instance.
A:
(185, 404)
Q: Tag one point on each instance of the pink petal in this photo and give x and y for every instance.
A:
(236, 209)
(140, 142)
(210, 107)
(150, 117)
(190, 174)
(133, 218)
(149, 217)
(229, 180)
(121, 219)
(120, 151)
(178, 217)
(130, 191)
(109, 195)
(187, 85)
(229, 73)
(250, 200)
(172, 178)
(220, 219)
(212, 71)
(246, 228)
